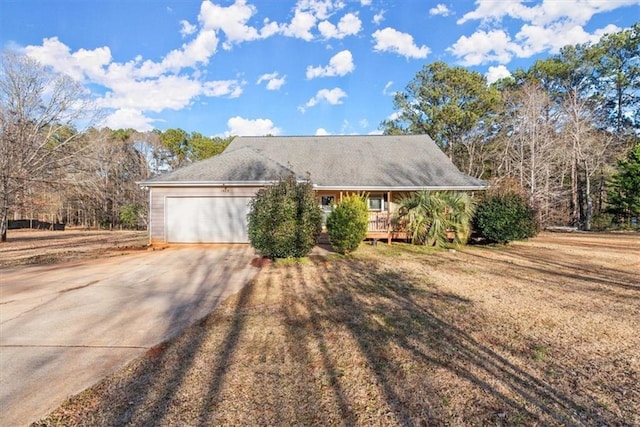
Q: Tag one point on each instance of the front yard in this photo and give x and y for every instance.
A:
(536, 333)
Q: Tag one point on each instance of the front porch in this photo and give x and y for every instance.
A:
(380, 227)
(381, 206)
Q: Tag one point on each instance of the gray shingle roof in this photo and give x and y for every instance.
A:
(238, 165)
(349, 162)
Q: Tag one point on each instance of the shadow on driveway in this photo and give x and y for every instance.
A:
(64, 327)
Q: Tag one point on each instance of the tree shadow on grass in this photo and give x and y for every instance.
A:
(387, 310)
(619, 280)
(296, 333)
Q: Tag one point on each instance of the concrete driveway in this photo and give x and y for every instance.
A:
(64, 327)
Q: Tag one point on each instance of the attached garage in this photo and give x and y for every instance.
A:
(207, 214)
(206, 219)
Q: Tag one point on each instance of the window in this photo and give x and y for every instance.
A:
(376, 202)
(326, 202)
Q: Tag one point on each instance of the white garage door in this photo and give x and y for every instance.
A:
(207, 219)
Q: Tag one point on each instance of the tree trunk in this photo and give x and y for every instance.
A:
(587, 216)
(575, 209)
(4, 221)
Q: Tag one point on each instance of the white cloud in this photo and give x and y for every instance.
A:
(391, 40)
(378, 17)
(495, 10)
(482, 47)
(81, 65)
(134, 87)
(239, 126)
(230, 88)
(270, 28)
(365, 2)
(535, 39)
(331, 96)
(385, 90)
(197, 51)
(321, 9)
(546, 26)
(348, 25)
(339, 65)
(440, 9)
(274, 81)
(576, 11)
(394, 116)
(322, 132)
(165, 92)
(187, 28)
(496, 73)
(308, 12)
(364, 123)
(376, 132)
(231, 20)
(125, 118)
(300, 26)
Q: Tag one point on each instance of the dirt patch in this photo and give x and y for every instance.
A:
(536, 333)
(27, 247)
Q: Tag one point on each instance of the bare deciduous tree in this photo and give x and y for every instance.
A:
(529, 147)
(39, 114)
(588, 149)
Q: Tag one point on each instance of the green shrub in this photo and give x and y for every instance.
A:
(432, 217)
(602, 222)
(284, 219)
(347, 224)
(624, 193)
(132, 215)
(505, 217)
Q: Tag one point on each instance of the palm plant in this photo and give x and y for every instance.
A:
(433, 217)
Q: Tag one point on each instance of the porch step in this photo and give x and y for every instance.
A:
(323, 239)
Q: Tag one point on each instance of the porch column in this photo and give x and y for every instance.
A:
(389, 217)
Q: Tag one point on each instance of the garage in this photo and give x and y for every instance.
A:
(206, 219)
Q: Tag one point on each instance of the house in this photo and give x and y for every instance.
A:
(207, 201)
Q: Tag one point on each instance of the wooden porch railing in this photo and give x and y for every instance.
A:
(378, 222)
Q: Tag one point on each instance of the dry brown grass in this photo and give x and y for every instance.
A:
(536, 333)
(27, 247)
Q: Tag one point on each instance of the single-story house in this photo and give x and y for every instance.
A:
(207, 201)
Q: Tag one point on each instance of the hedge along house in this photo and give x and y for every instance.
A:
(207, 201)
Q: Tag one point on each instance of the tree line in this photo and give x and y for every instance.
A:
(51, 168)
(558, 130)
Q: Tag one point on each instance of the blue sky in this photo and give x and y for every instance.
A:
(286, 67)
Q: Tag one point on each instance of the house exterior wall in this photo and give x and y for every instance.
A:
(379, 225)
(157, 204)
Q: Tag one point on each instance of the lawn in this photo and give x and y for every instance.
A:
(29, 247)
(535, 333)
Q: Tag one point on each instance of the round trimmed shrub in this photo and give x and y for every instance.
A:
(284, 219)
(347, 224)
(505, 217)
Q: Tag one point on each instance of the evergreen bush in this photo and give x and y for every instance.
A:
(505, 217)
(285, 219)
(347, 224)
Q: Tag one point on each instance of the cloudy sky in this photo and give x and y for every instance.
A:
(286, 67)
